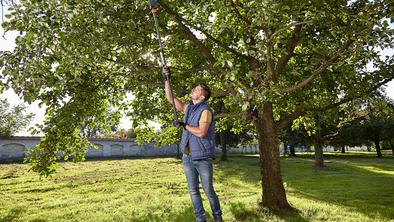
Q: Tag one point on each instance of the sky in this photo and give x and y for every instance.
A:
(7, 42)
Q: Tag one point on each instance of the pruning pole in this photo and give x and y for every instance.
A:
(154, 4)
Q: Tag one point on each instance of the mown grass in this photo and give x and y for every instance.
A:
(355, 187)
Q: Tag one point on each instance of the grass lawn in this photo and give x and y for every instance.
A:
(356, 187)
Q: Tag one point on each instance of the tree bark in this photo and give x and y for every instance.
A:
(319, 160)
(292, 150)
(377, 144)
(273, 195)
(292, 142)
(318, 140)
(223, 145)
(343, 149)
(392, 148)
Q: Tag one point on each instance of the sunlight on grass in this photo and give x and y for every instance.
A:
(376, 170)
(356, 188)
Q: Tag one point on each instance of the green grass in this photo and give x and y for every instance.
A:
(356, 187)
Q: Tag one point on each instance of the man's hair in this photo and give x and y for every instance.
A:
(206, 92)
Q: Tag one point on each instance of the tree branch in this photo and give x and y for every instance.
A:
(189, 70)
(296, 24)
(222, 94)
(238, 14)
(318, 71)
(302, 110)
(206, 52)
(285, 57)
(180, 20)
(270, 61)
(229, 115)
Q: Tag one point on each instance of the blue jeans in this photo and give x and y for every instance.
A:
(203, 169)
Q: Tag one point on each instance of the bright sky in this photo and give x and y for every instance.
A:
(8, 43)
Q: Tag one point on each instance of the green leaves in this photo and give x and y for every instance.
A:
(13, 119)
(81, 59)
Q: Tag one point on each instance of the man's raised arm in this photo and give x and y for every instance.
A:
(180, 106)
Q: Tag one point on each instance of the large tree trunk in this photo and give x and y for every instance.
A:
(292, 142)
(377, 144)
(319, 160)
(343, 149)
(392, 148)
(274, 196)
(292, 150)
(223, 145)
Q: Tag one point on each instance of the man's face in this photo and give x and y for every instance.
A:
(197, 93)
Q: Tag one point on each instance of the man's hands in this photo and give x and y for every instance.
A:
(178, 124)
(199, 131)
(166, 72)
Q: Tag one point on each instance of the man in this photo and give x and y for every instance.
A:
(198, 148)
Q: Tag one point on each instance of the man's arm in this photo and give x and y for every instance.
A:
(180, 106)
(200, 131)
(203, 125)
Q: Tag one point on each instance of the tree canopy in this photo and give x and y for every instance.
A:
(376, 126)
(268, 61)
(13, 119)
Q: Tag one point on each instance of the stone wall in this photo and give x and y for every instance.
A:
(13, 148)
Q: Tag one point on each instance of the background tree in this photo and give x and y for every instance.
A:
(13, 119)
(327, 126)
(378, 124)
(109, 129)
(276, 61)
(373, 127)
(349, 114)
(294, 136)
(321, 127)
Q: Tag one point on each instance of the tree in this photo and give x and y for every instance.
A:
(230, 132)
(378, 125)
(374, 126)
(272, 60)
(326, 126)
(13, 119)
(349, 114)
(108, 129)
(292, 136)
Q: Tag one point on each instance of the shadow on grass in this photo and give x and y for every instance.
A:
(13, 215)
(40, 189)
(242, 213)
(348, 182)
(347, 155)
(245, 168)
(186, 214)
(93, 159)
